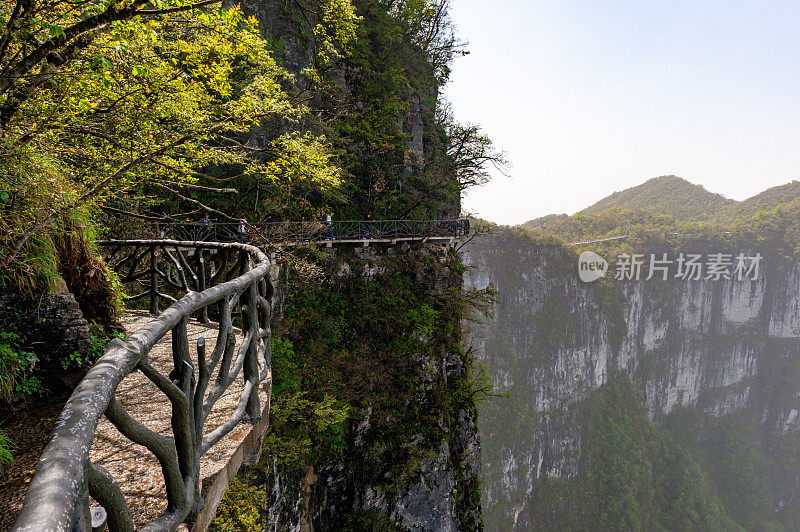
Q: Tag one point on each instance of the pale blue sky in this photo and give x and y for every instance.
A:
(589, 97)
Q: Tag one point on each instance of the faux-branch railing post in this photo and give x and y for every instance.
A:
(58, 495)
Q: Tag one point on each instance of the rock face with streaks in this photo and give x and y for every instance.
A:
(434, 493)
(316, 499)
(718, 347)
(52, 324)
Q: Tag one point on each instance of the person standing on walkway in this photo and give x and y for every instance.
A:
(243, 230)
(368, 234)
(162, 234)
(329, 221)
(206, 228)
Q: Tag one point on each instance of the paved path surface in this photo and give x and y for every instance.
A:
(132, 465)
(29, 429)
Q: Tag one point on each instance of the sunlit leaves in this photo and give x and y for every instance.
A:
(160, 90)
(303, 157)
(149, 97)
(336, 31)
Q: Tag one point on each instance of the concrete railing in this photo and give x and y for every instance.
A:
(222, 282)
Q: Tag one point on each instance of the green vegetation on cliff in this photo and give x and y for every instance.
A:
(695, 472)
(749, 467)
(634, 476)
(370, 385)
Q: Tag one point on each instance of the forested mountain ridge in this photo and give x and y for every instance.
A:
(684, 202)
(670, 195)
(656, 218)
(783, 196)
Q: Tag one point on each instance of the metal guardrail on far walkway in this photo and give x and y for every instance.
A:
(321, 232)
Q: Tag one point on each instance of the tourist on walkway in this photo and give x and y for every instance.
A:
(162, 233)
(243, 230)
(329, 221)
(368, 233)
(205, 233)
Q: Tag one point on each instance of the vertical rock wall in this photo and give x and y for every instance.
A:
(409, 457)
(719, 347)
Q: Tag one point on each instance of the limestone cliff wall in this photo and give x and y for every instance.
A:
(721, 347)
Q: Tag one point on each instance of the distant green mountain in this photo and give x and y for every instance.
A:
(669, 210)
(670, 195)
(784, 196)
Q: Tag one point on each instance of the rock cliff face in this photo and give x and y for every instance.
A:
(430, 492)
(720, 347)
(373, 423)
(52, 324)
(318, 498)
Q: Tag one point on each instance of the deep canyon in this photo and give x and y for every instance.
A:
(713, 364)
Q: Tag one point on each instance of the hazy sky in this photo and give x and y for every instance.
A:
(589, 97)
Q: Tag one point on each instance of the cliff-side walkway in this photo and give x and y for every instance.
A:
(163, 420)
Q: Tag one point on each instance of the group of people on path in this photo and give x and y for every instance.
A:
(245, 230)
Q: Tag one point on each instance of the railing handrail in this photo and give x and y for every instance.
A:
(52, 498)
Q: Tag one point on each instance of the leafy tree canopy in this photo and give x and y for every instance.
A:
(99, 98)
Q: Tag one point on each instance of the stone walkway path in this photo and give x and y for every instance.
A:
(29, 429)
(133, 466)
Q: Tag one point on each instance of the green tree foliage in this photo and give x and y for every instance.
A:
(108, 97)
(696, 472)
(471, 153)
(244, 512)
(32, 188)
(16, 369)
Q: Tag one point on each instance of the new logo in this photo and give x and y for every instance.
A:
(591, 266)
